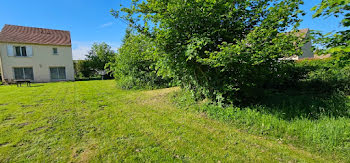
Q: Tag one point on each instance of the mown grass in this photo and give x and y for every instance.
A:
(93, 121)
(314, 122)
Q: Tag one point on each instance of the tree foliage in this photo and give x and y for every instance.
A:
(134, 66)
(82, 69)
(96, 61)
(337, 44)
(333, 8)
(326, 75)
(219, 49)
(99, 55)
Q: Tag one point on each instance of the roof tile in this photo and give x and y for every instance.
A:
(31, 35)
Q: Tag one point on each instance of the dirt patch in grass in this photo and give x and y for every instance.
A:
(84, 153)
(21, 125)
(37, 129)
(27, 106)
(156, 96)
(29, 112)
(10, 117)
(22, 143)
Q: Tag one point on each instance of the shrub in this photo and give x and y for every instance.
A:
(134, 66)
(83, 69)
(218, 49)
(326, 75)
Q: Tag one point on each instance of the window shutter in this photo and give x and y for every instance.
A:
(10, 50)
(29, 51)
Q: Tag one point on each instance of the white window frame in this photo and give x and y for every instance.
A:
(24, 73)
(20, 51)
(65, 73)
(53, 51)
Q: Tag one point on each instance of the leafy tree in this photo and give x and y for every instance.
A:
(333, 8)
(337, 44)
(99, 55)
(135, 66)
(83, 69)
(219, 49)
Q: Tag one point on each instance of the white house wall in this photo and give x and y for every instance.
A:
(41, 61)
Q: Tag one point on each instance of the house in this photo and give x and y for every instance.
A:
(322, 56)
(35, 54)
(307, 48)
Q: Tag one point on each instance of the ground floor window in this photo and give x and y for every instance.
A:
(24, 73)
(58, 73)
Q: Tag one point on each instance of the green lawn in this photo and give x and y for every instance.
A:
(95, 121)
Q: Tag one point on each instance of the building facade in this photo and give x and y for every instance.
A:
(35, 54)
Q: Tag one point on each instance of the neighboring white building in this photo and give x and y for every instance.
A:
(35, 54)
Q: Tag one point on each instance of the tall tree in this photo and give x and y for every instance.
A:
(337, 44)
(99, 55)
(83, 69)
(218, 48)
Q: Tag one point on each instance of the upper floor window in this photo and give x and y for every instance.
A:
(21, 51)
(55, 51)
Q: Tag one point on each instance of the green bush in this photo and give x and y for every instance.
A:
(134, 66)
(327, 74)
(218, 49)
(310, 106)
(83, 70)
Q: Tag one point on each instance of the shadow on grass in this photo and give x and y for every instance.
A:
(106, 77)
(87, 79)
(292, 104)
(303, 99)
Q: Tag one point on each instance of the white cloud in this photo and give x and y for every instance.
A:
(81, 48)
(80, 52)
(106, 24)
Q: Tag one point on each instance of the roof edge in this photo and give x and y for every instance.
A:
(36, 27)
(33, 43)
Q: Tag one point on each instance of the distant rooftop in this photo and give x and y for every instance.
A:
(31, 35)
(304, 32)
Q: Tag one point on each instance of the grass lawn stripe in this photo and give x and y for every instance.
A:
(95, 121)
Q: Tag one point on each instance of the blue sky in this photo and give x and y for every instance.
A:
(90, 21)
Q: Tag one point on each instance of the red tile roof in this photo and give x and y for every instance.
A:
(303, 32)
(31, 35)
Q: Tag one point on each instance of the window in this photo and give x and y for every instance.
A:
(58, 73)
(18, 51)
(24, 73)
(55, 51)
(21, 51)
(24, 51)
